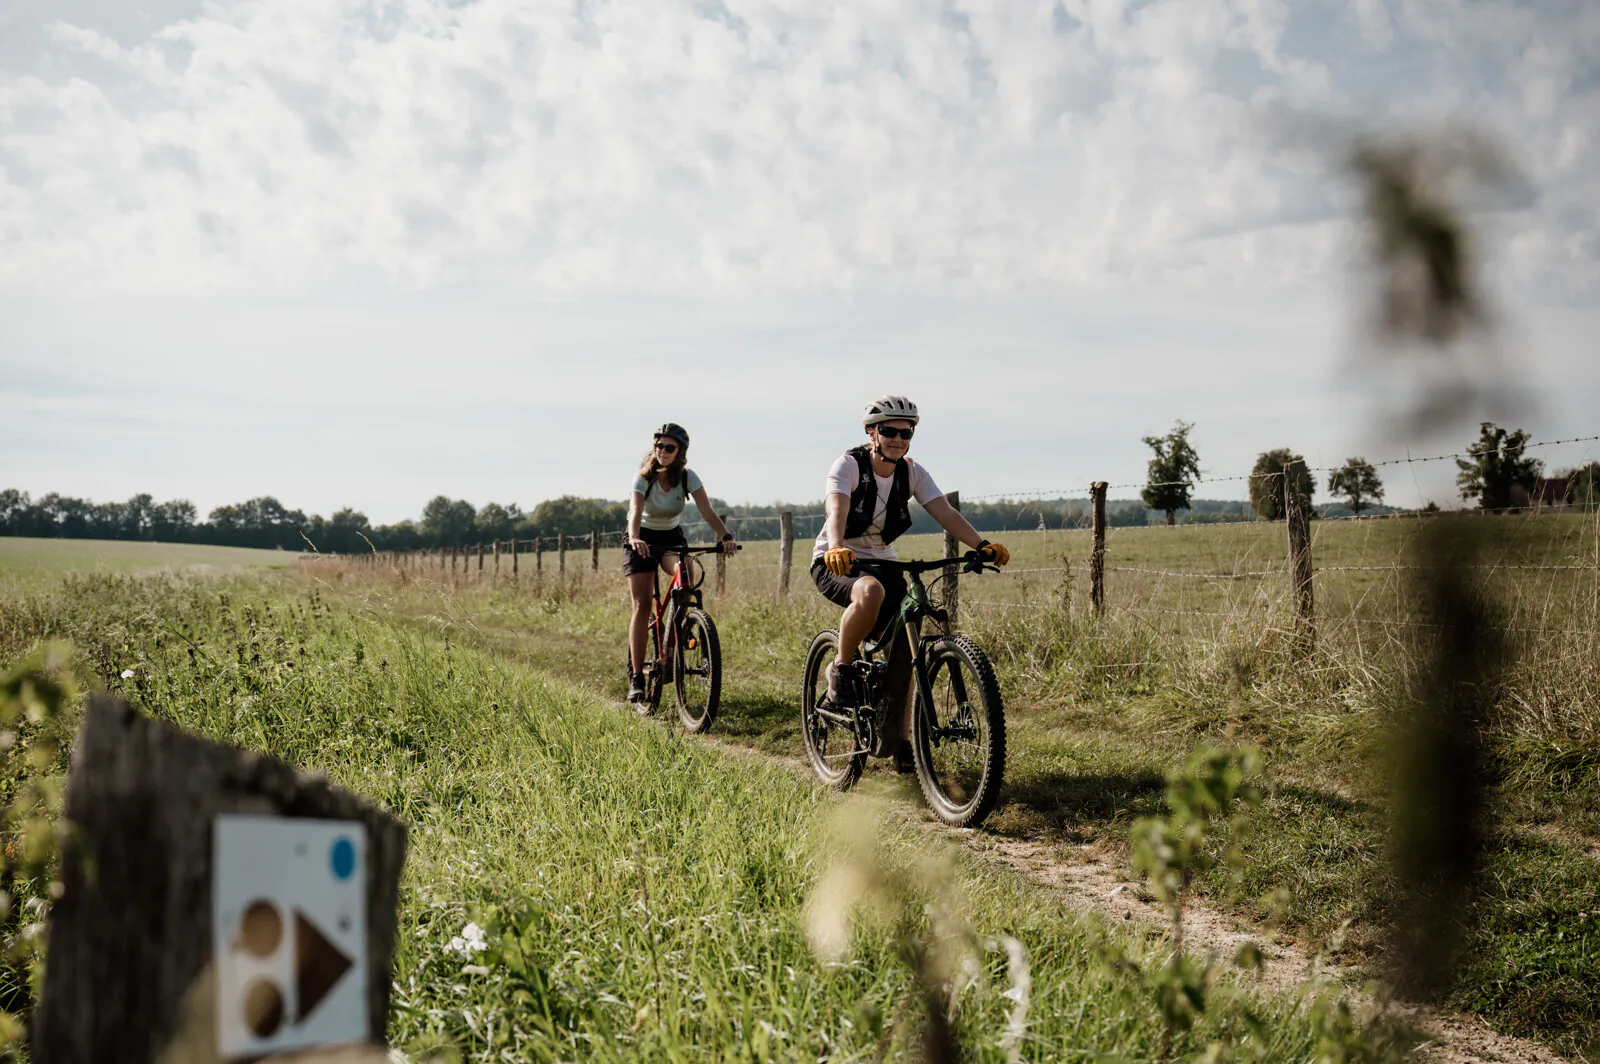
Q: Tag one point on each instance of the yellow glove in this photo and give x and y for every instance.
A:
(995, 552)
(839, 560)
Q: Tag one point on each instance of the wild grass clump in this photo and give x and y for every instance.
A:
(582, 884)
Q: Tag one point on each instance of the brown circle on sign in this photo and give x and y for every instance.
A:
(260, 929)
(263, 1007)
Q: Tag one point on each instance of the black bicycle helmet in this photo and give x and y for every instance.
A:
(675, 431)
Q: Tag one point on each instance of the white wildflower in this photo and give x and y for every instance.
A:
(471, 940)
(474, 969)
(127, 674)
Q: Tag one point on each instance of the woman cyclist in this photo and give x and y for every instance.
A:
(868, 506)
(664, 485)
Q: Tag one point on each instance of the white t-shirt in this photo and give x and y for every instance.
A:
(842, 479)
(663, 509)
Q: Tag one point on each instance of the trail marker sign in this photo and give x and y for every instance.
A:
(289, 933)
(213, 898)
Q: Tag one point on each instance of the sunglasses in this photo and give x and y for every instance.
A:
(889, 432)
(665, 445)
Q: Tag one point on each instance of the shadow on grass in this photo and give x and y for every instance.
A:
(768, 721)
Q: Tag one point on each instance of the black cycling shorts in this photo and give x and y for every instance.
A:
(658, 539)
(836, 589)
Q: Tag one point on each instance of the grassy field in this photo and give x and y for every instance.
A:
(1098, 711)
(642, 893)
(30, 564)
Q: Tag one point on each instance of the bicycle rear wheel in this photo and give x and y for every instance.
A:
(832, 748)
(697, 672)
(961, 750)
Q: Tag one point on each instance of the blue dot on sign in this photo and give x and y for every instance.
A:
(344, 858)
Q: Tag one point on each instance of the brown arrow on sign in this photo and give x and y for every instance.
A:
(318, 965)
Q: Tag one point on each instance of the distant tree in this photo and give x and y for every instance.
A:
(173, 521)
(1498, 469)
(575, 516)
(498, 522)
(448, 522)
(1358, 482)
(1266, 482)
(1172, 472)
(1583, 485)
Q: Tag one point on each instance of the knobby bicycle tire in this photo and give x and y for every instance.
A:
(826, 743)
(961, 784)
(697, 648)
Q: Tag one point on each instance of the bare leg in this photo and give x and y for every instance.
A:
(866, 596)
(641, 588)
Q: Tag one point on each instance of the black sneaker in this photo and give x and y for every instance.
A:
(841, 686)
(904, 761)
(636, 687)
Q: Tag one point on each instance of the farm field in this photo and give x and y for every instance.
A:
(1099, 711)
(641, 894)
(28, 564)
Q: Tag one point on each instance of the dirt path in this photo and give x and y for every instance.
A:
(1087, 880)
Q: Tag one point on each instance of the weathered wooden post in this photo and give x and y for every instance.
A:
(516, 550)
(497, 561)
(214, 902)
(1299, 522)
(538, 556)
(785, 548)
(561, 554)
(722, 573)
(1097, 550)
(952, 549)
(594, 550)
(479, 549)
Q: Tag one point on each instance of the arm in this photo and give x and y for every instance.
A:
(951, 521)
(702, 503)
(837, 507)
(635, 515)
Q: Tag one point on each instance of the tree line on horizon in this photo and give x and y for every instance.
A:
(1497, 473)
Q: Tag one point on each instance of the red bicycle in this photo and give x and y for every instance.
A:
(683, 646)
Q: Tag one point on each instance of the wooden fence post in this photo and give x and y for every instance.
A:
(722, 574)
(561, 554)
(1299, 521)
(538, 556)
(497, 561)
(479, 549)
(952, 549)
(594, 550)
(144, 880)
(785, 548)
(1097, 553)
(516, 549)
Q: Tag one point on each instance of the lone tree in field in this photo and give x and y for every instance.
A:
(1266, 483)
(1497, 469)
(1358, 482)
(1173, 471)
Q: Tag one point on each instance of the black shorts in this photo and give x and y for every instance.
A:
(836, 589)
(657, 538)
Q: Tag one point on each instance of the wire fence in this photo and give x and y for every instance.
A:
(1272, 592)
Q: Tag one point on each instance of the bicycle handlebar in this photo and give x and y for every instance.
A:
(717, 549)
(971, 562)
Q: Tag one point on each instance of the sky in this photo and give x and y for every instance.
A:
(363, 252)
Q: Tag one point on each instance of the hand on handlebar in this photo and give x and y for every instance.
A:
(839, 560)
(729, 545)
(994, 552)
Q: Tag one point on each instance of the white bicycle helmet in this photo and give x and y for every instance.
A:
(890, 408)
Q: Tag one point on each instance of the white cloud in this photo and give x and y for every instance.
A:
(686, 147)
(423, 228)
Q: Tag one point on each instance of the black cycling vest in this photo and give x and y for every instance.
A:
(864, 500)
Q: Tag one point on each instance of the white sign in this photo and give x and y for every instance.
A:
(289, 930)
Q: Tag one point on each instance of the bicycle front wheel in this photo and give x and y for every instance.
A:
(960, 748)
(697, 675)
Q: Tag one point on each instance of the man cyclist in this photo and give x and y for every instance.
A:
(868, 498)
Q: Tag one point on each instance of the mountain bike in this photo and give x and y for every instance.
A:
(958, 724)
(683, 645)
